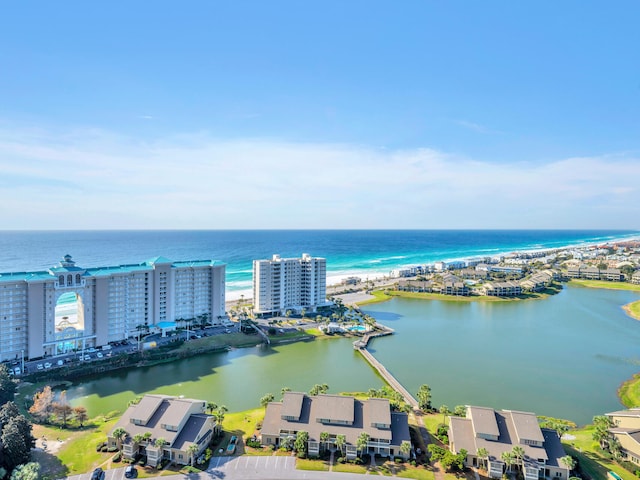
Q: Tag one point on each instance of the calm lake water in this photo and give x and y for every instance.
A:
(564, 356)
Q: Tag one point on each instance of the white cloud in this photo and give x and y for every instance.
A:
(97, 179)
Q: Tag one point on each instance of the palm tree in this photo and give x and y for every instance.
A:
(341, 441)
(507, 458)
(120, 434)
(211, 406)
(518, 454)
(405, 448)
(266, 399)
(444, 410)
(424, 397)
(324, 438)
(284, 390)
(222, 409)
(483, 455)
(192, 451)
(363, 442)
(569, 462)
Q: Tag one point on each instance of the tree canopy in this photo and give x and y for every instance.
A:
(7, 386)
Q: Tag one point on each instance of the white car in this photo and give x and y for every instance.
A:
(47, 365)
(99, 355)
(39, 366)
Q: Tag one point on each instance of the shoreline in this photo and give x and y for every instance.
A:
(336, 277)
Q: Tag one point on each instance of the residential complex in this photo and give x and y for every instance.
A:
(282, 284)
(627, 432)
(180, 422)
(68, 307)
(337, 415)
(498, 431)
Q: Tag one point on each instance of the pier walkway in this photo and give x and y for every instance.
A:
(361, 346)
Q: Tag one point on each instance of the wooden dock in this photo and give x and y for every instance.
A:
(361, 346)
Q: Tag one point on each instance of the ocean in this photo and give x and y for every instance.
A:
(366, 253)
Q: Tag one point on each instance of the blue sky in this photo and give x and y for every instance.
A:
(332, 114)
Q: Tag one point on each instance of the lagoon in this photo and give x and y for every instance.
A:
(562, 356)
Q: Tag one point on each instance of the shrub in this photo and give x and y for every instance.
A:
(398, 460)
(253, 443)
(103, 448)
(100, 445)
(112, 449)
(340, 460)
(117, 457)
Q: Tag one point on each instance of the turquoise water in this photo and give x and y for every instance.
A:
(363, 252)
(357, 328)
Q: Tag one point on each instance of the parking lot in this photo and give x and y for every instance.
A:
(249, 467)
(272, 467)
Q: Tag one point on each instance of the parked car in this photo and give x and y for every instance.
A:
(98, 474)
(39, 366)
(60, 363)
(47, 365)
(130, 472)
(99, 355)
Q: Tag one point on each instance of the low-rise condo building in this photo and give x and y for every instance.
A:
(337, 415)
(282, 284)
(164, 427)
(627, 431)
(68, 307)
(498, 431)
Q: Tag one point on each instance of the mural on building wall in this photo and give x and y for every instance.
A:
(69, 321)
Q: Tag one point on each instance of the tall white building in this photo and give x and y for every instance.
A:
(282, 284)
(68, 307)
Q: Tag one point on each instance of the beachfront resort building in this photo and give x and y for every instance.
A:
(68, 307)
(337, 415)
(282, 284)
(164, 427)
(498, 431)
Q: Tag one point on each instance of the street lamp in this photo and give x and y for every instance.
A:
(22, 360)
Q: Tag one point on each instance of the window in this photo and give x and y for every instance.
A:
(61, 280)
(69, 280)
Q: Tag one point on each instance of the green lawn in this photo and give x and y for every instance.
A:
(633, 309)
(629, 392)
(384, 295)
(309, 464)
(79, 453)
(349, 468)
(242, 425)
(419, 473)
(587, 452)
(605, 284)
(219, 341)
(378, 297)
